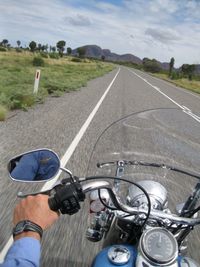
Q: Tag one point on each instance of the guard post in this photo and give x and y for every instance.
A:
(37, 80)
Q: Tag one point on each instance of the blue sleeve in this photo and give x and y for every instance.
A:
(24, 252)
(26, 168)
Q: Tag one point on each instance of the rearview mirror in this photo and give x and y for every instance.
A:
(34, 166)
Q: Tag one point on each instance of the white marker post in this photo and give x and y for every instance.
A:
(37, 80)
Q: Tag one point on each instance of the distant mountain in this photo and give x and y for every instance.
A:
(164, 65)
(95, 51)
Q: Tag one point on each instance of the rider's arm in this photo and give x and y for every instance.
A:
(24, 252)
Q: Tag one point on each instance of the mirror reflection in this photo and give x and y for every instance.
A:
(38, 165)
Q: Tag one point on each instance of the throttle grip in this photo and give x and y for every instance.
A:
(67, 198)
(53, 204)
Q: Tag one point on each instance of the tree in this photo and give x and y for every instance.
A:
(18, 43)
(171, 66)
(145, 59)
(53, 49)
(32, 46)
(39, 47)
(4, 42)
(44, 47)
(103, 57)
(151, 65)
(61, 47)
(81, 51)
(69, 50)
(188, 70)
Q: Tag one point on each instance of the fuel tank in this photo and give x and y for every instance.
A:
(116, 255)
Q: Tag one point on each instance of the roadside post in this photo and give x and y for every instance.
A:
(37, 80)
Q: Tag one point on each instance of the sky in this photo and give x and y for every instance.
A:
(158, 29)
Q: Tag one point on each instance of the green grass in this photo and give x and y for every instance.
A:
(193, 85)
(57, 76)
(3, 113)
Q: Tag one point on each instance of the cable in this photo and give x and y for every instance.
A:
(101, 200)
(125, 180)
(191, 212)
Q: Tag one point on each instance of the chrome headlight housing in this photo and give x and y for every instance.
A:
(156, 192)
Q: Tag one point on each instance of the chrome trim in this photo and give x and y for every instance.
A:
(154, 214)
(96, 185)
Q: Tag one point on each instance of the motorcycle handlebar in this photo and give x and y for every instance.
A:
(154, 214)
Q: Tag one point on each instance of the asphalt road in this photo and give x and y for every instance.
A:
(54, 124)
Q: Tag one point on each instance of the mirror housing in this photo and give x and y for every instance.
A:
(39, 165)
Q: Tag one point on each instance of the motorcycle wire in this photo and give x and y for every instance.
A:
(103, 203)
(125, 180)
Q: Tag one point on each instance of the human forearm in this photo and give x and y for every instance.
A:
(25, 252)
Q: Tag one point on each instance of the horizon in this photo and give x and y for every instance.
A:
(159, 29)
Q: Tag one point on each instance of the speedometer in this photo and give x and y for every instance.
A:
(159, 246)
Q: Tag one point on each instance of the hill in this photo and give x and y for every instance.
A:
(94, 51)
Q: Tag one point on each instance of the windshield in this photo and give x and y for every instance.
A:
(168, 139)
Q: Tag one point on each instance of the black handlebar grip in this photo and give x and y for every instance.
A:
(53, 205)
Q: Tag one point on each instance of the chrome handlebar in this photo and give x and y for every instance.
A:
(155, 214)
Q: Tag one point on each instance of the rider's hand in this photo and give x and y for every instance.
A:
(35, 209)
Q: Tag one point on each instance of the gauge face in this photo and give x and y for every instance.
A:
(159, 245)
(96, 206)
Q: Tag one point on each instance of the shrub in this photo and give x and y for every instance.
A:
(3, 112)
(44, 55)
(18, 50)
(21, 100)
(38, 61)
(151, 65)
(3, 49)
(52, 88)
(76, 59)
(175, 75)
(54, 55)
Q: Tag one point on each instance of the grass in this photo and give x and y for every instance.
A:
(3, 113)
(57, 76)
(193, 85)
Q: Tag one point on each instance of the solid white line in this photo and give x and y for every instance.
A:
(67, 155)
(176, 87)
(185, 109)
(157, 89)
(194, 116)
(78, 137)
(172, 85)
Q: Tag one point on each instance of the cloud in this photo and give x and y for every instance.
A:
(167, 6)
(79, 20)
(147, 28)
(163, 35)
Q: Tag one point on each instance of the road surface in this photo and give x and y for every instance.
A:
(56, 123)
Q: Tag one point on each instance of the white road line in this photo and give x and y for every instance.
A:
(185, 109)
(66, 156)
(176, 87)
(172, 85)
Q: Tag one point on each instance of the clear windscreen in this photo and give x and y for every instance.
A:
(169, 137)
